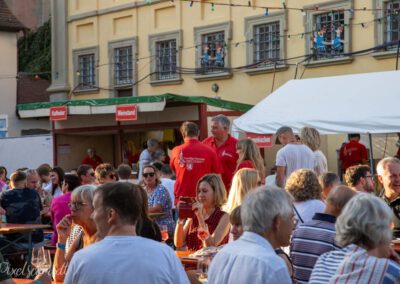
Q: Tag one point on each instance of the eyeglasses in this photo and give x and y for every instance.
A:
(76, 205)
(148, 174)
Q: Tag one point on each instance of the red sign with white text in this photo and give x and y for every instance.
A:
(261, 140)
(126, 112)
(58, 113)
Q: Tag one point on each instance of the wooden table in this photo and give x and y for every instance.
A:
(187, 262)
(9, 228)
(25, 281)
(155, 215)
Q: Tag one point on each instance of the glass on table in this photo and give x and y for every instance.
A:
(41, 259)
(202, 267)
(164, 233)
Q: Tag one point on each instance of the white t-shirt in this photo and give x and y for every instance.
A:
(57, 192)
(169, 185)
(307, 209)
(321, 162)
(294, 157)
(125, 259)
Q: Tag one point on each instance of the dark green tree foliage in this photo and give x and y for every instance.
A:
(34, 52)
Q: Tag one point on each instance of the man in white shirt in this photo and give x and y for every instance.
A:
(168, 182)
(252, 258)
(292, 156)
(122, 257)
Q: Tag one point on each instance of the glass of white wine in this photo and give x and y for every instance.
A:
(41, 259)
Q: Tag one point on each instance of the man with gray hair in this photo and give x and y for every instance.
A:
(225, 147)
(268, 220)
(388, 170)
(315, 237)
(146, 157)
(292, 156)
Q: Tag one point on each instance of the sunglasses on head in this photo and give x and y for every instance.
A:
(148, 174)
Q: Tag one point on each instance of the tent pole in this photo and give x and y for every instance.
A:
(371, 155)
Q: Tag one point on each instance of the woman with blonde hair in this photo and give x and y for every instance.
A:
(210, 225)
(250, 157)
(310, 137)
(243, 181)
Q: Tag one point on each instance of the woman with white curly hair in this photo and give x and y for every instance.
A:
(363, 230)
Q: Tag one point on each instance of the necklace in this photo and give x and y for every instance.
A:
(207, 215)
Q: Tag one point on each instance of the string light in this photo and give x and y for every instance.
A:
(285, 7)
(212, 7)
(266, 11)
(191, 4)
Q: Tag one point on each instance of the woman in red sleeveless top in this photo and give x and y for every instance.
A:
(210, 226)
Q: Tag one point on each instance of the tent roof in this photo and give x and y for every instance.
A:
(139, 99)
(360, 103)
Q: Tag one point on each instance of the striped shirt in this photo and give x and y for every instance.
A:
(352, 264)
(309, 241)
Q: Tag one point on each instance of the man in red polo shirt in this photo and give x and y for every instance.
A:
(191, 160)
(352, 153)
(225, 147)
(92, 159)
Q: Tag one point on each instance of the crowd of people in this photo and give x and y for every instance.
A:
(299, 225)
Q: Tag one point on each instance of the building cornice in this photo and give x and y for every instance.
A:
(114, 9)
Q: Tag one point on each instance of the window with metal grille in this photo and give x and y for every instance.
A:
(123, 65)
(392, 26)
(328, 35)
(213, 52)
(166, 60)
(87, 75)
(266, 42)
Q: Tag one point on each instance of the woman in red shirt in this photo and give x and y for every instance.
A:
(210, 226)
(250, 157)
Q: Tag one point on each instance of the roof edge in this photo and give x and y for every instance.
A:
(139, 99)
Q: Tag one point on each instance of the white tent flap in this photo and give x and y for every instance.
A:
(360, 103)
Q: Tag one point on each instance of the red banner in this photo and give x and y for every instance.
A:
(58, 113)
(262, 140)
(126, 112)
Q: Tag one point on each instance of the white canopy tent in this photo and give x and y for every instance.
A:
(362, 103)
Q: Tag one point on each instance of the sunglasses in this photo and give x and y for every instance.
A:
(92, 174)
(148, 175)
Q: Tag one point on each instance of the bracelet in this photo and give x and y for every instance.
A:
(60, 246)
(38, 281)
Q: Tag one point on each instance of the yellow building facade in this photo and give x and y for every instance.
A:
(236, 50)
(98, 24)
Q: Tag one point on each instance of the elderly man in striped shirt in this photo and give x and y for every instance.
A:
(317, 236)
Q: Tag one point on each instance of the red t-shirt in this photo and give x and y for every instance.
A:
(191, 161)
(246, 164)
(92, 162)
(227, 155)
(352, 153)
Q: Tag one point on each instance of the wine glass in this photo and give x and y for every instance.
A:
(164, 233)
(202, 267)
(202, 232)
(41, 259)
